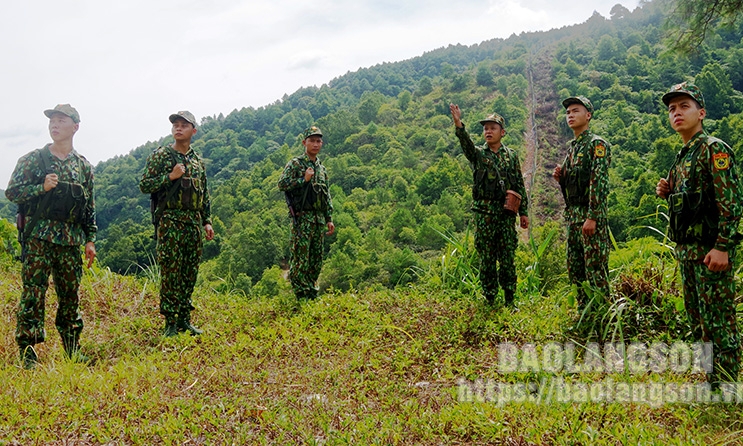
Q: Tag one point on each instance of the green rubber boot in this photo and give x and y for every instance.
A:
(184, 326)
(28, 357)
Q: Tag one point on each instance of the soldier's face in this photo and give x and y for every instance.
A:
(685, 115)
(183, 130)
(492, 132)
(62, 127)
(577, 116)
(312, 145)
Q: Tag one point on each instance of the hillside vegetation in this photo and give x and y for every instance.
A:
(386, 367)
(400, 348)
(398, 177)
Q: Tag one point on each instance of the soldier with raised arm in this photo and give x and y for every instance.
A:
(499, 195)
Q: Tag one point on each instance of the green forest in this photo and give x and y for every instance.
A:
(401, 186)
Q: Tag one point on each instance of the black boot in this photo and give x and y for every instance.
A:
(28, 356)
(509, 297)
(184, 325)
(171, 328)
(72, 348)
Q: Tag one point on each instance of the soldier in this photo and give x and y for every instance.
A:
(498, 194)
(584, 180)
(176, 179)
(305, 184)
(53, 188)
(703, 190)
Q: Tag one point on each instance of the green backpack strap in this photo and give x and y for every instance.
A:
(157, 205)
(46, 161)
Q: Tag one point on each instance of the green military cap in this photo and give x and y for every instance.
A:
(312, 131)
(185, 114)
(65, 109)
(582, 100)
(684, 89)
(496, 118)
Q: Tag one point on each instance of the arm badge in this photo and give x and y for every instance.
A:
(600, 151)
(721, 161)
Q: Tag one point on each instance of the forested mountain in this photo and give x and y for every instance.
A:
(398, 177)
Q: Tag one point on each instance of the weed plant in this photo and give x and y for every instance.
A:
(358, 367)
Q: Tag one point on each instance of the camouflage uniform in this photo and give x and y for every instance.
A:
(312, 207)
(585, 186)
(179, 233)
(706, 166)
(52, 246)
(495, 227)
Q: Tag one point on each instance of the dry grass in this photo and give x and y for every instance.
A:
(355, 368)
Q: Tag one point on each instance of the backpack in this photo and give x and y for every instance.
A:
(160, 198)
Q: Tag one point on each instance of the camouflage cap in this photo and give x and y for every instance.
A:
(582, 100)
(65, 109)
(185, 114)
(684, 89)
(496, 118)
(312, 131)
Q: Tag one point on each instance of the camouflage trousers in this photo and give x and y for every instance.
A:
(495, 242)
(708, 298)
(588, 258)
(308, 234)
(64, 263)
(179, 248)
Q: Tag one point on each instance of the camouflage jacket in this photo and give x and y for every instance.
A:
(190, 203)
(26, 186)
(504, 161)
(717, 173)
(292, 179)
(588, 153)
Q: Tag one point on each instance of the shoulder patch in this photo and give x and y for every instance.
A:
(599, 151)
(721, 161)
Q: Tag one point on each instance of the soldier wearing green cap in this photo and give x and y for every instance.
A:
(584, 180)
(305, 184)
(703, 191)
(175, 178)
(498, 194)
(53, 188)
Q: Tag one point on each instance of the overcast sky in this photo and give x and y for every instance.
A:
(127, 65)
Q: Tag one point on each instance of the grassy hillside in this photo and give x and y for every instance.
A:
(388, 367)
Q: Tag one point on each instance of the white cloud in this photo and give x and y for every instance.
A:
(127, 65)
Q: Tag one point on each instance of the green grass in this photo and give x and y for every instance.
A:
(349, 368)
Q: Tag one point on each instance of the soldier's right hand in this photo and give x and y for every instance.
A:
(557, 173)
(178, 171)
(50, 181)
(308, 174)
(456, 114)
(663, 188)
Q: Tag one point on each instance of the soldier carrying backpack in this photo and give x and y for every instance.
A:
(53, 188)
(175, 178)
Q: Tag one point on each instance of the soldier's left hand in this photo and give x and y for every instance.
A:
(331, 228)
(209, 231)
(524, 221)
(589, 227)
(717, 260)
(90, 253)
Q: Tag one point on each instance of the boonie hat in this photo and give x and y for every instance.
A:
(65, 109)
(496, 118)
(684, 89)
(312, 131)
(185, 114)
(582, 100)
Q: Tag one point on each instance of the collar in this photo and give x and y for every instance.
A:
(581, 137)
